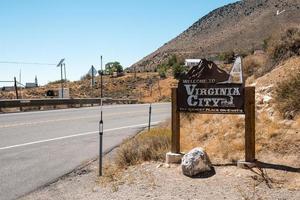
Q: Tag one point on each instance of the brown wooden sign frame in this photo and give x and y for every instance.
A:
(248, 111)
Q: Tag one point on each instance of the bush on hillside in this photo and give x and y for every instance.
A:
(178, 69)
(227, 57)
(287, 95)
(162, 70)
(256, 65)
(284, 46)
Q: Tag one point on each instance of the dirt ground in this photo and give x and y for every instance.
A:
(154, 180)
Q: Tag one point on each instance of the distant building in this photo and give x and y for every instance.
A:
(30, 85)
(192, 62)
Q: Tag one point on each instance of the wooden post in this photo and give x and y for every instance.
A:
(175, 140)
(249, 124)
(16, 87)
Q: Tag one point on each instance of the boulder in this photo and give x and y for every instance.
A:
(195, 162)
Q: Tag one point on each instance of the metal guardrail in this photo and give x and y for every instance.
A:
(54, 102)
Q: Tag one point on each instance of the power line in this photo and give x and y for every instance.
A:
(24, 63)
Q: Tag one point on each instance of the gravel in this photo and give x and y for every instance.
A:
(153, 180)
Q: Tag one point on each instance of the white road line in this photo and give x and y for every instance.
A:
(77, 135)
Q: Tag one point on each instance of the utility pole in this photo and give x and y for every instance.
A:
(60, 64)
(65, 72)
(61, 79)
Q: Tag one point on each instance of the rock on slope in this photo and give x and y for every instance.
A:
(241, 27)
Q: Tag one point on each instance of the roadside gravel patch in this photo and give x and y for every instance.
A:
(153, 180)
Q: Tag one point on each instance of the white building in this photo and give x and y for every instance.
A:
(192, 62)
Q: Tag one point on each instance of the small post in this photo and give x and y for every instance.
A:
(249, 124)
(150, 112)
(101, 141)
(175, 140)
(16, 87)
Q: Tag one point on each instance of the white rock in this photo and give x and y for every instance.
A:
(195, 162)
(159, 165)
(266, 99)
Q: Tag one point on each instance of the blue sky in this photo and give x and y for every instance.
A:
(45, 31)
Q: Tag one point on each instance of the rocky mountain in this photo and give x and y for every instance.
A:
(240, 27)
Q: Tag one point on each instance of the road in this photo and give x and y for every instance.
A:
(38, 147)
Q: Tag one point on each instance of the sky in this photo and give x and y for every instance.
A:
(45, 31)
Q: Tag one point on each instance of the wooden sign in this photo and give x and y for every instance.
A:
(208, 89)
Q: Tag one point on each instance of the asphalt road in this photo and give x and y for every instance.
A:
(38, 147)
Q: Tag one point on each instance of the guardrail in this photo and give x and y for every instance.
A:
(55, 102)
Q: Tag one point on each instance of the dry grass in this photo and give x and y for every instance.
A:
(160, 92)
(146, 146)
(220, 136)
(122, 87)
(223, 136)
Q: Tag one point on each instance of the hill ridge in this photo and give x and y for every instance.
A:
(241, 27)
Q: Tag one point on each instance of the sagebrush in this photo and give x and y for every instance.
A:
(287, 95)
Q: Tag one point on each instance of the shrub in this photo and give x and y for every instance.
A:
(227, 57)
(86, 77)
(284, 46)
(255, 65)
(287, 95)
(172, 60)
(162, 70)
(178, 70)
(147, 146)
(55, 82)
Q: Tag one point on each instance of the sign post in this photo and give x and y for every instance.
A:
(150, 113)
(175, 140)
(207, 89)
(250, 124)
(100, 141)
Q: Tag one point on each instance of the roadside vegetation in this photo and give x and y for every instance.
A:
(279, 47)
(146, 146)
(287, 96)
(174, 64)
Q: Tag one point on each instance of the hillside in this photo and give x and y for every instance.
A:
(146, 87)
(241, 27)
